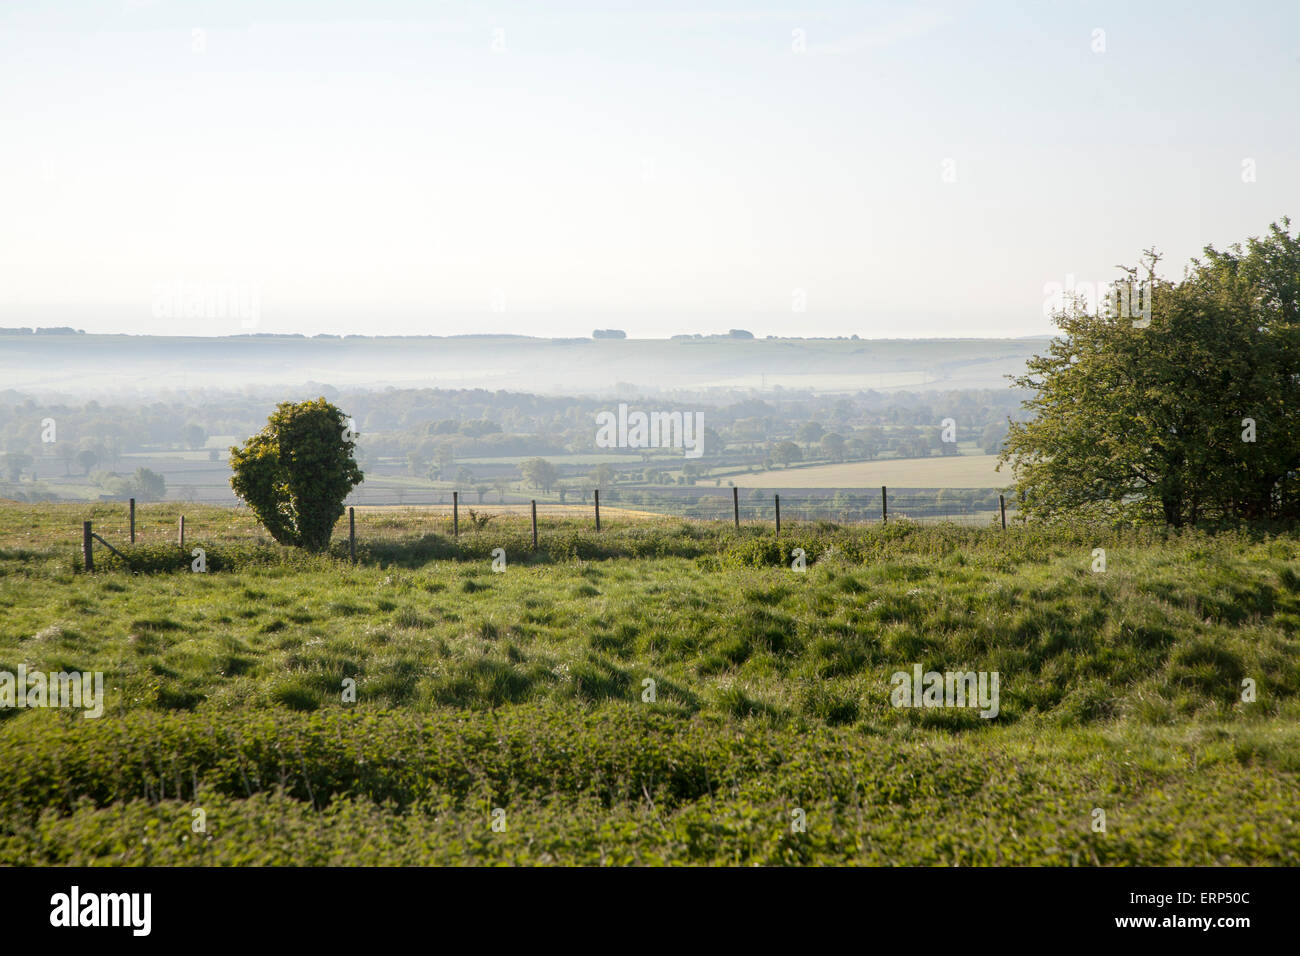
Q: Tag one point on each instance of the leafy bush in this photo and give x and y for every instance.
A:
(295, 473)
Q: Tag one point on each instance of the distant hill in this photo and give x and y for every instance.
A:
(98, 363)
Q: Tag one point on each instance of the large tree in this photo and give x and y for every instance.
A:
(296, 472)
(1183, 410)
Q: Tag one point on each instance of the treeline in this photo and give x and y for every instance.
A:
(439, 424)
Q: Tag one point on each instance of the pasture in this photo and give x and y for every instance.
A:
(953, 471)
(525, 692)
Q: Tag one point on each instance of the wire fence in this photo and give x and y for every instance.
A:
(925, 506)
(386, 523)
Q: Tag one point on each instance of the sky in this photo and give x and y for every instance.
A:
(890, 170)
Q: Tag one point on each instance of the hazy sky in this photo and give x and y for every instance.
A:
(394, 166)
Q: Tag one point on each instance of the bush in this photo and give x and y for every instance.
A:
(295, 472)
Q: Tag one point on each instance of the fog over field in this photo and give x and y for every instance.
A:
(107, 365)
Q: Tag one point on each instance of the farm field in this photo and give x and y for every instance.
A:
(956, 471)
(525, 692)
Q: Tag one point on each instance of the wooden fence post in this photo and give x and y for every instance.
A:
(86, 546)
(884, 505)
(133, 521)
(352, 534)
(1002, 506)
(735, 504)
(778, 514)
(180, 532)
(596, 492)
(455, 514)
(534, 524)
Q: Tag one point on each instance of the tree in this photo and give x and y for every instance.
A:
(87, 459)
(603, 476)
(296, 472)
(443, 460)
(15, 462)
(833, 446)
(1195, 416)
(810, 432)
(992, 437)
(66, 454)
(786, 452)
(195, 436)
(540, 473)
(148, 485)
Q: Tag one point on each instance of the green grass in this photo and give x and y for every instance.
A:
(524, 691)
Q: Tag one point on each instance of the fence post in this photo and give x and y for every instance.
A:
(1002, 506)
(778, 514)
(86, 546)
(352, 534)
(596, 492)
(884, 505)
(133, 521)
(534, 524)
(180, 532)
(455, 514)
(735, 504)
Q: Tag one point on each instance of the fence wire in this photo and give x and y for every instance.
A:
(924, 506)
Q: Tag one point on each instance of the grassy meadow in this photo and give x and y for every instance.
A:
(521, 697)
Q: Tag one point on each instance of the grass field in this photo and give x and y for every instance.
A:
(956, 471)
(524, 692)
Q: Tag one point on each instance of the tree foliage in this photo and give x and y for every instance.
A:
(540, 473)
(296, 472)
(1193, 417)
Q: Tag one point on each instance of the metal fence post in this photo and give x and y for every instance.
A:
(884, 505)
(778, 514)
(596, 492)
(735, 504)
(1002, 506)
(86, 546)
(133, 521)
(352, 533)
(534, 524)
(455, 514)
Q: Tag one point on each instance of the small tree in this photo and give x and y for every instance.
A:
(786, 452)
(296, 472)
(15, 462)
(833, 446)
(149, 485)
(540, 473)
(195, 436)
